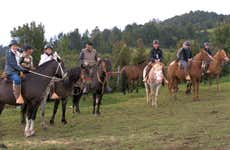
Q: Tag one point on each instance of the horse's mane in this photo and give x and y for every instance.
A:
(74, 72)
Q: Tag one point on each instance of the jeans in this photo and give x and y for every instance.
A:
(15, 78)
(184, 65)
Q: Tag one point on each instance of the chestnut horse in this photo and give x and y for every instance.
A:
(176, 74)
(215, 67)
(131, 74)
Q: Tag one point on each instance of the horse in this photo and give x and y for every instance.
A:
(97, 86)
(34, 88)
(154, 82)
(63, 88)
(215, 67)
(131, 74)
(176, 74)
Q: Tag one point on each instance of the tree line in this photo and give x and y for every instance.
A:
(131, 44)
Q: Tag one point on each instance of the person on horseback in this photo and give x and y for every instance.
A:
(156, 55)
(12, 70)
(48, 55)
(26, 60)
(88, 60)
(184, 55)
(207, 49)
(205, 65)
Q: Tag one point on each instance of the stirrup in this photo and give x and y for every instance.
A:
(20, 100)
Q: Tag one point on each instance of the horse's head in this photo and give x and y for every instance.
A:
(104, 65)
(59, 71)
(222, 56)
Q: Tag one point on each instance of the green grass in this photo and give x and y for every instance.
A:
(127, 122)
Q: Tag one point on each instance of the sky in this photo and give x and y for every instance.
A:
(66, 15)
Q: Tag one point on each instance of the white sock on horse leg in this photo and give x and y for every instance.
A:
(31, 125)
(27, 127)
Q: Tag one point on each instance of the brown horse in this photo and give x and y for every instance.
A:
(215, 67)
(131, 74)
(176, 74)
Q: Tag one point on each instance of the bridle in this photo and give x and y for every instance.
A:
(52, 77)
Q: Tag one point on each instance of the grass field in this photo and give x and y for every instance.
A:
(127, 122)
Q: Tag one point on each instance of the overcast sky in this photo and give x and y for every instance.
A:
(66, 15)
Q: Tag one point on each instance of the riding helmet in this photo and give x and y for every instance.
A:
(48, 46)
(155, 41)
(13, 42)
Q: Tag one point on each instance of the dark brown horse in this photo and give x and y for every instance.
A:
(215, 67)
(64, 89)
(34, 87)
(131, 74)
(97, 87)
(176, 74)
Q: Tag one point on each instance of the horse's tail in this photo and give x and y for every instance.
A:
(123, 81)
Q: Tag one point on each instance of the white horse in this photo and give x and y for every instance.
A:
(153, 82)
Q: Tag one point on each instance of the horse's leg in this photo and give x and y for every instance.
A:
(194, 89)
(1, 107)
(33, 117)
(156, 94)
(23, 113)
(74, 99)
(98, 102)
(78, 98)
(137, 84)
(94, 103)
(56, 103)
(197, 90)
(64, 102)
(218, 84)
(147, 92)
(42, 113)
(29, 110)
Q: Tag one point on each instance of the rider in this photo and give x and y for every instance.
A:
(26, 60)
(207, 49)
(205, 65)
(12, 70)
(48, 55)
(156, 55)
(184, 55)
(88, 60)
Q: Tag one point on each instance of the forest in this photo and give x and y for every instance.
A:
(133, 43)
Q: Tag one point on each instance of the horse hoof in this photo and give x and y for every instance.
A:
(64, 122)
(27, 133)
(32, 133)
(44, 127)
(51, 122)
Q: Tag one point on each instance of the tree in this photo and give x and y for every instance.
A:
(120, 54)
(31, 34)
(74, 40)
(139, 54)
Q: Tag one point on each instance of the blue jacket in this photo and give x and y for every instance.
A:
(11, 65)
(156, 54)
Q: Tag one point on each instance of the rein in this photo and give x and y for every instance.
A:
(51, 77)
